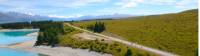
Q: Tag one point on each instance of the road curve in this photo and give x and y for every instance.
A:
(156, 51)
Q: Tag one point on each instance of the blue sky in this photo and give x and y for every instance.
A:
(77, 8)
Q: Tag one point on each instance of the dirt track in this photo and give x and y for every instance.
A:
(156, 51)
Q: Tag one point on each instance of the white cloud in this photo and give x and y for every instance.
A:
(175, 3)
(111, 11)
(75, 3)
(160, 2)
(45, 7)
(128, 3)
(57, 16)
(29, 13)
(72, 7)
(49, 3)
(72, 16)
(186, 3)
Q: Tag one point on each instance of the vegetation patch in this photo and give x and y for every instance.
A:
(114, 48)
(97, 27)
(177, 33)
(48, 34)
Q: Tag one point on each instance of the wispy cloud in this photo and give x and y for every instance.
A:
(175, 3)
(49, 3)
(186, 3)
(71, 8)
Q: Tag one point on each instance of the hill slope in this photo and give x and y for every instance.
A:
(175, 33)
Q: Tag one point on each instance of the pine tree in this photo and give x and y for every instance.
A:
(128, 52)
(98, 27)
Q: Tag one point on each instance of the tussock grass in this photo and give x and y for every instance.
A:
(175, 33)
(115, 48)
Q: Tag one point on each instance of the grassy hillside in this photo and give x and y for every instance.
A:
(98, 45)
(175, 33)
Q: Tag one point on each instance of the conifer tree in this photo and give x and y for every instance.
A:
(128, 52)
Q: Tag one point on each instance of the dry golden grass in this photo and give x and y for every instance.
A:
(177, 33)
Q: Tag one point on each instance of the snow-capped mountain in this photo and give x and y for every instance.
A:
(9, 17)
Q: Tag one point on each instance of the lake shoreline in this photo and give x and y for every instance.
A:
(47, 50)
(7, 30)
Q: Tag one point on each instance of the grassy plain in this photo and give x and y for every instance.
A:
(175, 32)
(115, 48)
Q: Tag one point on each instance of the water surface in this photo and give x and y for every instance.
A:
(14, 52)
(12, 37)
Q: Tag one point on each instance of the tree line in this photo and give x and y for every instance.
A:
(48, 33)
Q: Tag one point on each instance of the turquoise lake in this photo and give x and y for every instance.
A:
(12, 37)
(13, 52)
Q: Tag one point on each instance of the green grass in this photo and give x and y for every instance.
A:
(114, 48)
(176, 33)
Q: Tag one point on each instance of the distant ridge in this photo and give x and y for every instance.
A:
(101, 17)
(10, 17)
(190, 11)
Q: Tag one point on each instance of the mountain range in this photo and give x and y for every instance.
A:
(111, 16)
(9, 17)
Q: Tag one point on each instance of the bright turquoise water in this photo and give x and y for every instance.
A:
(13, 52)
(12, 37)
